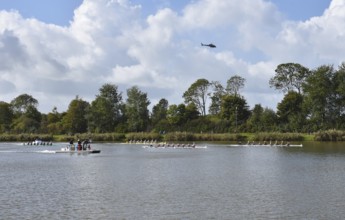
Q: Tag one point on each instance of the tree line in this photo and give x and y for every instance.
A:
(313, 100)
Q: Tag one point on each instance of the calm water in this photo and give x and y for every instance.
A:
(130, 182)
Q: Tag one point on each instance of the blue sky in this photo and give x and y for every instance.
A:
(53, 11)
(73, 47)
(61, 11)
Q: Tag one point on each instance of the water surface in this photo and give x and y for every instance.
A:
(130, 182)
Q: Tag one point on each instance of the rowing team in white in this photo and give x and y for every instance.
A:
(269, 144)
(141, 142)
(165, 145)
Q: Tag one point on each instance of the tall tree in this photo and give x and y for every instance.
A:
(254, 121)
(54, 122)
(339, 80)
(216, 98)
(137, 109)
(21, 103)
(290, 112)
(105, 111)
(29, 121)
(320, 98)
(27, 117)
(289, 76)
(235, 109)
(268, 120)
(75, 119)
(6, 117)
(191, 112)
(159, 111)
(234, 84)
(177, 115)
(197, 93)
(262, 119)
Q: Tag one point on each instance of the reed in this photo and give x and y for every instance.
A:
(25, 137)
(142, 136)
(330, 135)
(187, 136)
(276, 136)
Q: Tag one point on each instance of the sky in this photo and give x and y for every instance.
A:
(59, 49)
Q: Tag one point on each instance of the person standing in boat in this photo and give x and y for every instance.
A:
(79, 145)
(71, 145)
(85, 144)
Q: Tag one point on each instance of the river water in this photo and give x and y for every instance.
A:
(130, 182)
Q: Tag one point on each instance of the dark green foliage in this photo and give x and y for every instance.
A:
(137, 112)
(75, 119)
(330, 135)
(159, 111)
(6, 117)
(290, 112)
(105, 112)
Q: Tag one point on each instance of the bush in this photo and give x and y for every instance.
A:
(186, 136)
(25, 137)
(142, 136)
(330, 135)
(275, 136)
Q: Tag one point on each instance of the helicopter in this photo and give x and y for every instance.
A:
(208, 45)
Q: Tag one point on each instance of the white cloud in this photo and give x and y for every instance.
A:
(109, 41)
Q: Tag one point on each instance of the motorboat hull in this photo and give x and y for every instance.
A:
(79, 151)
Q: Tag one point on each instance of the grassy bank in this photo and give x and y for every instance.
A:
(179, 137)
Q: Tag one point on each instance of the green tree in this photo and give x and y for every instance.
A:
(255, 120)
(269, 120)
(235, 109)
(262, 119)
(234, 84)
(197, 93)
(290, 112)
(320, 98)
(137, 110)
(191, 112)
(6, 117)
(159, 111)
(176, 115)
(74, 121)
(216, 98)
(28, 122)
(22, 102)
(52, 122)
(105, 113)
(339, 81)
(27, 117)
(289, 76)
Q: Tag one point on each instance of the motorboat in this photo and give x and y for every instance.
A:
(87, 151)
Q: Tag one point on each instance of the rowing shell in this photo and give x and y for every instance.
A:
(175, 147)
(266, 145)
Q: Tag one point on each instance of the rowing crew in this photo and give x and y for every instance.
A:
(164, 145)
(141, 142)
(270, 143)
